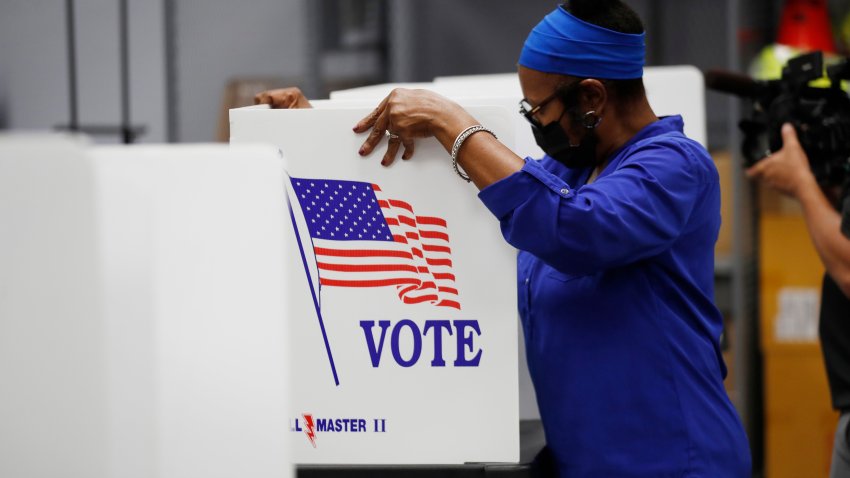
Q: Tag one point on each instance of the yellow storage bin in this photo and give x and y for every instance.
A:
(799, 420)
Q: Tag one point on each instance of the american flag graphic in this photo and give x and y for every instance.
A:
(363, 239)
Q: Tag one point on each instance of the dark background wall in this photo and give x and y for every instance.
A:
(458, 37)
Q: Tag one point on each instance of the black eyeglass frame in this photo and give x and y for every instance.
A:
(529, 111)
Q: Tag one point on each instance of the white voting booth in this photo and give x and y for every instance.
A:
(670, 89)
(523, 138)
(141, 330)
(176, 311)
(52, 373)
(405, 340)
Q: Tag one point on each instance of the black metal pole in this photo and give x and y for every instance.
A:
(74, 122)
(313, 86)
(171, 73)
(126, 128)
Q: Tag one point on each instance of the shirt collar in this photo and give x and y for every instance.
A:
(664, 125)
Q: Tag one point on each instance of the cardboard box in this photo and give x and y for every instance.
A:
(799, 420)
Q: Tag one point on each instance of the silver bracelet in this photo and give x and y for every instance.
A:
(459, 142)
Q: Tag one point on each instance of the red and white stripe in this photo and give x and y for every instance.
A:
(417, 262)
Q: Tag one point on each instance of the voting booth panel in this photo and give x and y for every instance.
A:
(53, 419)
(401, 298)
(469, 93)
(502, 81)
(377, 92)
(142, 332)
(679, 90)
(671, 90)
(524, 144)
(193, 273)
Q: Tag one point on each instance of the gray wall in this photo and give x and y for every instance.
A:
(457, 37)
(460, 37)
(33, 63)
(33, 66)
(221, 39)
(216, 40)
(4, 93)
(692, 32)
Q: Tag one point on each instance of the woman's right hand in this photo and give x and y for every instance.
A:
(283, 98)
(405, 115)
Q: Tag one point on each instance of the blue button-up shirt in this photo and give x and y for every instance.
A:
(616, 285)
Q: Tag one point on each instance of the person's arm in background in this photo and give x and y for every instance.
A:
(283, 98)
(788, 171)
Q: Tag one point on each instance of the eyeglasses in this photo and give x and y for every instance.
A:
(529, 111)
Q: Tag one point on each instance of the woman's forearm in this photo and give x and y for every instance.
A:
(484, 158)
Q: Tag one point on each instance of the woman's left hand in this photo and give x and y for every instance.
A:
(405, 115)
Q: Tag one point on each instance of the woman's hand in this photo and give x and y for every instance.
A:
(284, 98)
(405, 115)
(786, 170)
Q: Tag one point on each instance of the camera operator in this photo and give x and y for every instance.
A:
(788, 171)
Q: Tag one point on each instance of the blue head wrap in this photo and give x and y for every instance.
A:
(564, 44)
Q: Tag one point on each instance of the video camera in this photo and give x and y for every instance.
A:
(821, 116)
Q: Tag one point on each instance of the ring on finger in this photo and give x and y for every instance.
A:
(391, 136)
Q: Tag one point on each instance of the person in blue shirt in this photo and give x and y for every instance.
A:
(616, 228)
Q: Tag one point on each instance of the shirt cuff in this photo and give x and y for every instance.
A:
(508, 193)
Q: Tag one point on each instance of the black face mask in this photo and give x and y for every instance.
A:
(553, 140)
